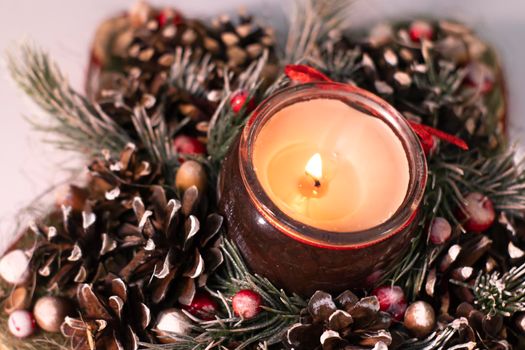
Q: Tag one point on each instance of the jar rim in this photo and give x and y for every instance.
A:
(371, 105)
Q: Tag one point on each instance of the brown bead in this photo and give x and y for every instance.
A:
(420, 319)
(191, 173)
(50, 312)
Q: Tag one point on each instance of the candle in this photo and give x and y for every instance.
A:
(330, 166)
(322, 188)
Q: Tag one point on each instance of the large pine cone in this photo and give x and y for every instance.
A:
(152, 55)
(128, 235)
(344, 323)
(447, 77)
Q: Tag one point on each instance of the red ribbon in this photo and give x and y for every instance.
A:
(305, 74)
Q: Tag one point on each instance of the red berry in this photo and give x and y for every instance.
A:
(168, 14)
(184, 144)
(238, 100)
(177, 18)
(391, 300)
(440, 231)
(478, 212)
(420, 30)
(246, 304)
(161, 19)
(203, 306)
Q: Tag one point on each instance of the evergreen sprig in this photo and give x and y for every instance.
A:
(279, 311)
(153, 134)
(309, 23)
(496, 293)
(450, 177)
(80, 124)
(225, 124)
(190, 70)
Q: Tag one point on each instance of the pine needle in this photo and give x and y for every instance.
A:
(310, 22)
(280, 311)
(79, 124)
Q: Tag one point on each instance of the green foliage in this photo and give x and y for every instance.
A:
(499, 177)
(497, 293)
(280, 310)
(80, 124)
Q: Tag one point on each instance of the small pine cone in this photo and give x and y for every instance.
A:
(237, 44)
(490, 329)
(425, 69)
(113, 317)
(171, 239)
(82, 245)
(173, 245)
(337, 323)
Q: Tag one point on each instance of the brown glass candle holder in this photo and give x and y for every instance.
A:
(298, 257)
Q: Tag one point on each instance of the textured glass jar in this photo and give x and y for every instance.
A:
(298, 257)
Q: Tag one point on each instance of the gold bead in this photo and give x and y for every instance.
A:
(420, 319)
(191, 173)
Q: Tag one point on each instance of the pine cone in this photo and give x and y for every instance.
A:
(151, 53)
(344, 323)
(114, 318)
(483, 303)
(456, 334)
(172, 247)
(239, 44)
(132, 236)
(490, 329)
(446, 77)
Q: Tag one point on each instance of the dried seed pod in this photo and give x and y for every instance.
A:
(19, 299)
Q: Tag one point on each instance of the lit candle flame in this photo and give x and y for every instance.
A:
(314, 168)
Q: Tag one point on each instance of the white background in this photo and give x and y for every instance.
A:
(65, 27)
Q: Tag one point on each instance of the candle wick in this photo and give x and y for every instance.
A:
(317, 183)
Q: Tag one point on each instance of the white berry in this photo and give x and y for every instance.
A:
(14, 267)
(21, 323)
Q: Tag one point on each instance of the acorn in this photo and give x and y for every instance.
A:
(420, 319)
(191, 173)
(50, 312)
